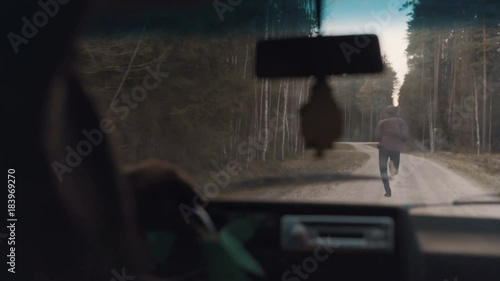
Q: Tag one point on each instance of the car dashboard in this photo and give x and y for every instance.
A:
(309, 241)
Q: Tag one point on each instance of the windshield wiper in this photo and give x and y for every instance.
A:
(476, 202)
(460, 202)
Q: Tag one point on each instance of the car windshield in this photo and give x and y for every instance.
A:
(178, 83)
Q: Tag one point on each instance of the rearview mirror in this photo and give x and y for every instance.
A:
(318, 56)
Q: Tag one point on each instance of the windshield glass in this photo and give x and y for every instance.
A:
(178, 84)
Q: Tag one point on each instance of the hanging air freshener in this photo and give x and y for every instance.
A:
(321, 119)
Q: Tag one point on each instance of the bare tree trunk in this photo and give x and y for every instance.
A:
(431, 131)
(285, 101)
(349, 123)
(235, 63)
(256, 115)
(489, 131)
(266, 120)
(266, 97)
(476, 107)
(239, 130)
(362, 123)
(371, 121)
(422, 88)
(472, 131)
(453, 94)
(463, 78)
(256, 95)
(233, 136)
(134, 54)
(437, 59)
(485, 97)
(290, 127)
(345, 115)
(277, 116)
(238, 137)
(246, 63)
(297, 122)
(306, 94)
(261, 107)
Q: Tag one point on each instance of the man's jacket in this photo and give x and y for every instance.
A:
(391, 133)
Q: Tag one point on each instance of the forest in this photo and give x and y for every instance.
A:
(451, 94)
(208, 107)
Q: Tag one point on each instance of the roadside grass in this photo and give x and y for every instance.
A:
(344, 158)
(333, 162)
(483, 169)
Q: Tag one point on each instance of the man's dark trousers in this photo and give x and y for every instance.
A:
(384, 156)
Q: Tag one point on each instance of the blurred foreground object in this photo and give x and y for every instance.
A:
(321, 120)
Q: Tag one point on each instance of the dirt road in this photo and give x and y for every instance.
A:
(420, 180)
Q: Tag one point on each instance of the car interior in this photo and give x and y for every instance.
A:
(147, 222)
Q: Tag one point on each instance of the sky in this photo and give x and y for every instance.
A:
(379, 17)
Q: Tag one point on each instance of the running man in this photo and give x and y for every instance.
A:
(392, 134)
